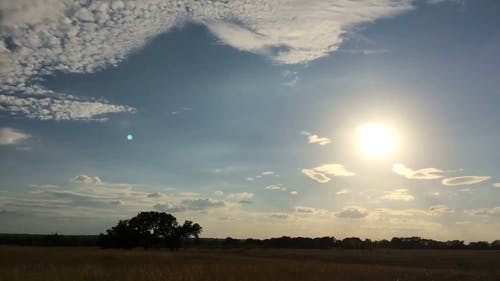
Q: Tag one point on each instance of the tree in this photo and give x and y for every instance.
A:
(148, 229)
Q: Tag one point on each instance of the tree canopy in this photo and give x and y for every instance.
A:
(149, 229)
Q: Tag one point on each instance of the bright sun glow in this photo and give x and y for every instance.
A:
(376, 140)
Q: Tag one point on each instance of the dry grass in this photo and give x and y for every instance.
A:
(78, 264)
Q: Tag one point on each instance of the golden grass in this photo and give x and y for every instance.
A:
(92, 264)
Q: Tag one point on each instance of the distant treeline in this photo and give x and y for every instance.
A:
(281, 242)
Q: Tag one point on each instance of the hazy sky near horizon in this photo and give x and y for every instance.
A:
(247, 116)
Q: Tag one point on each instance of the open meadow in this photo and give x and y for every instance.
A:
(94, 264)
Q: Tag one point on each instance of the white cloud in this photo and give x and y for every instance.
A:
(496, 184)
(398, 195)
(44, 37)
(275, 187)
(421, 174)
(465, 180)
(310, 210)
(342, 192)
(9, 136)
(319, 177)
(84, 179)
(219, 193)
(240, 196)
(352, 212)
(484, 212)
(267, 173)
(319, 174)
(294, 192)
(312, 138)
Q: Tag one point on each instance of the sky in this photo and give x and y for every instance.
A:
(374, 119)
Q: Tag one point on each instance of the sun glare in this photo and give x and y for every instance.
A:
(376, 140)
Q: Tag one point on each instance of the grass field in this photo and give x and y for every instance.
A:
(77, 264)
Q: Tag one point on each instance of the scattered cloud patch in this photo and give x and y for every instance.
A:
(421, 174)
(200, 204)
(267, 173)
(496, 184)
(294, 192)
(342, 192)
(484, 212)
(313, 138)
(84, 179)
(398, 195)
(275, 187)
(9, 136)
(156, 195)
(310, 210)
(84, 37)
(319, 174)
(291, 77)
(465, 180)
(240, 196)
(280, 216)
(219, 193)
(352, 212)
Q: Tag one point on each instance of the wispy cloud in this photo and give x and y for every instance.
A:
(401, 194)
(200, 204)
(438, 210)
(310, 210)
(342, 192)
(496, 184)
(9, 136)
(484, 212)
(313, 138)
(319, 174)
(421, 174)
(84, 37)
(465, 180)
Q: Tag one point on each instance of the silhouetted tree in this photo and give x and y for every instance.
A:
(148, 229)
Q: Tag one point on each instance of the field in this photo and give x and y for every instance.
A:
(86, 263)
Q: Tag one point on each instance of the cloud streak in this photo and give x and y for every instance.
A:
(465, 180)
(9, 136)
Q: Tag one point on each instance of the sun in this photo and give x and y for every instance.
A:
(376, 140)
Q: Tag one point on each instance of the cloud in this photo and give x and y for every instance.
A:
(9, 136)
(294, 192)
(421, 174)
(352, 212)
(240, 196)
(275, 187)
(316, 139)
(219, 193)
(245, 202)
(319, 174)
(84, 179)
(45, 37)
(280, 215)
(200, 204)
(438, 210)
(155, 195)
(484, 212)
(496, 184)
(342, 192)
(310, 210)
(398, 195)
(465, 180)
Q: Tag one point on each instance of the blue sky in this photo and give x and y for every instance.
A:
(246, 116)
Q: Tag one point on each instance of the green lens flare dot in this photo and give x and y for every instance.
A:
(130, 137)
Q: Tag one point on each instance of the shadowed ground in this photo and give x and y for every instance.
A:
(86, 263)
